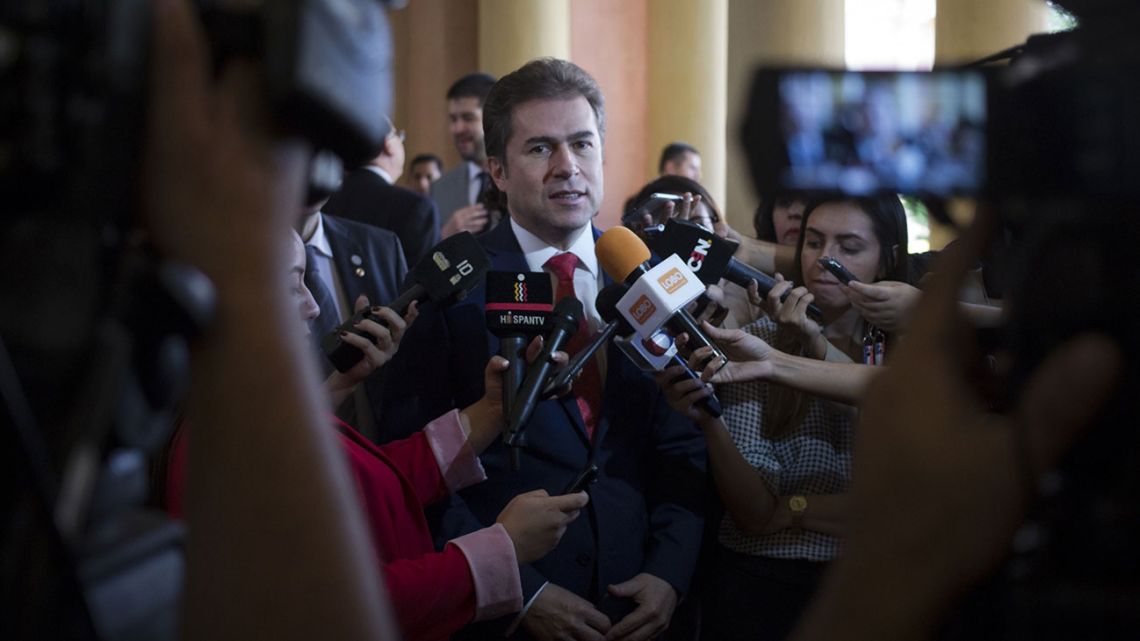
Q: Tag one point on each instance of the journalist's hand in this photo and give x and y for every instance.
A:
(536, 521)
(886, 304)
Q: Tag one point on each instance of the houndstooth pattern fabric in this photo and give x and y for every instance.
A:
(814, 458)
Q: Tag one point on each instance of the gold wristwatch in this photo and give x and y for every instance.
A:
(797, 504)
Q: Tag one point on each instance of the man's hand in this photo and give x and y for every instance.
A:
(655, 600)
(560, 615)
(472, 218)
(960, 479)
(536, 521)
(886, 304)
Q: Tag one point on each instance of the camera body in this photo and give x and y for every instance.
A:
(94, 349)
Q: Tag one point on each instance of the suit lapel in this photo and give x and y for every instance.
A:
(352, 265)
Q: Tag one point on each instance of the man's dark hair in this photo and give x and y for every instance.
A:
(674, 151)
(427, 158)
(539, 79)
(473, 85)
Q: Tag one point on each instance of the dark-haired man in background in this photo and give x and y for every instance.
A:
(424, 170)
(457, 194)
(680, 159)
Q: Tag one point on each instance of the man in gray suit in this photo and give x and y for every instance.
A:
(457, 193)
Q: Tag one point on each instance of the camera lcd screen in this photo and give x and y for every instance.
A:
(858, 133)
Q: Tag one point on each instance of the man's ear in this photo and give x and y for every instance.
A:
(498, 171)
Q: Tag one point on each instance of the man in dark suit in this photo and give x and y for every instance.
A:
(346, 261)
(369, 195)
(625, 563)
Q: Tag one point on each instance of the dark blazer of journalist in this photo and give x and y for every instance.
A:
(644, 513)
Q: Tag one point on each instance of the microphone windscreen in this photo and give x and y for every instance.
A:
(566, 315)
(620, 252)
(606, 304)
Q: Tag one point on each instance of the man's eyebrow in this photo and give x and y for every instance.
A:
(551, 140)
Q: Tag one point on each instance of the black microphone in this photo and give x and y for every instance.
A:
(607, 309)
(563, 379)
(517, 308)
(446, 274)
(711, 258)
(625, 258)
(561, 325)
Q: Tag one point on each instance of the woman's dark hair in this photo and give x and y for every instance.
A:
(762, 221)
(888, 222)
(671, 184)
(786, 408)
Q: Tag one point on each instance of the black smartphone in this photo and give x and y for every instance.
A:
(584, 480)
(654, 205)
(837, 268)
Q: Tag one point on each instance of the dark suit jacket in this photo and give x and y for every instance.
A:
(367, 198)
(644, 513)
(368, 261)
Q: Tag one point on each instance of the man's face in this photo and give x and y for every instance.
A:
(687, 165)
(553, 171)
(466, 118)
(423, 175)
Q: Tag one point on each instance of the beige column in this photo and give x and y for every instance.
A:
(772, 32)
(688, 76)
(434, 43)
(966, 30)
(512, 32)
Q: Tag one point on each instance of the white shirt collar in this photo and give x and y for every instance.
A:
(473, 170)
(319, 241)
(537, 252)
(379, 171)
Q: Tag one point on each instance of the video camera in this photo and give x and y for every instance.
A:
(1052, 143)
(94, 329)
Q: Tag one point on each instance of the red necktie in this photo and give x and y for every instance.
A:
(588, 386)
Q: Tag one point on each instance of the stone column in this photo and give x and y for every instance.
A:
(512, 32)
(772, 32)
(688, 79)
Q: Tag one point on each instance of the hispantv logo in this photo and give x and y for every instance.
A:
(527, 320)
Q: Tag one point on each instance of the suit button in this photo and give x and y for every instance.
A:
(583, 559)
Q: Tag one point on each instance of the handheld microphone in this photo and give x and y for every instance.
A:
(657, 352)
(564, 379)
(657, 296)
(446, 274)
(560, 326)
(517, 307)
(711, 258)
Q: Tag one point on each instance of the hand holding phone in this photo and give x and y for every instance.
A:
(837, 269)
